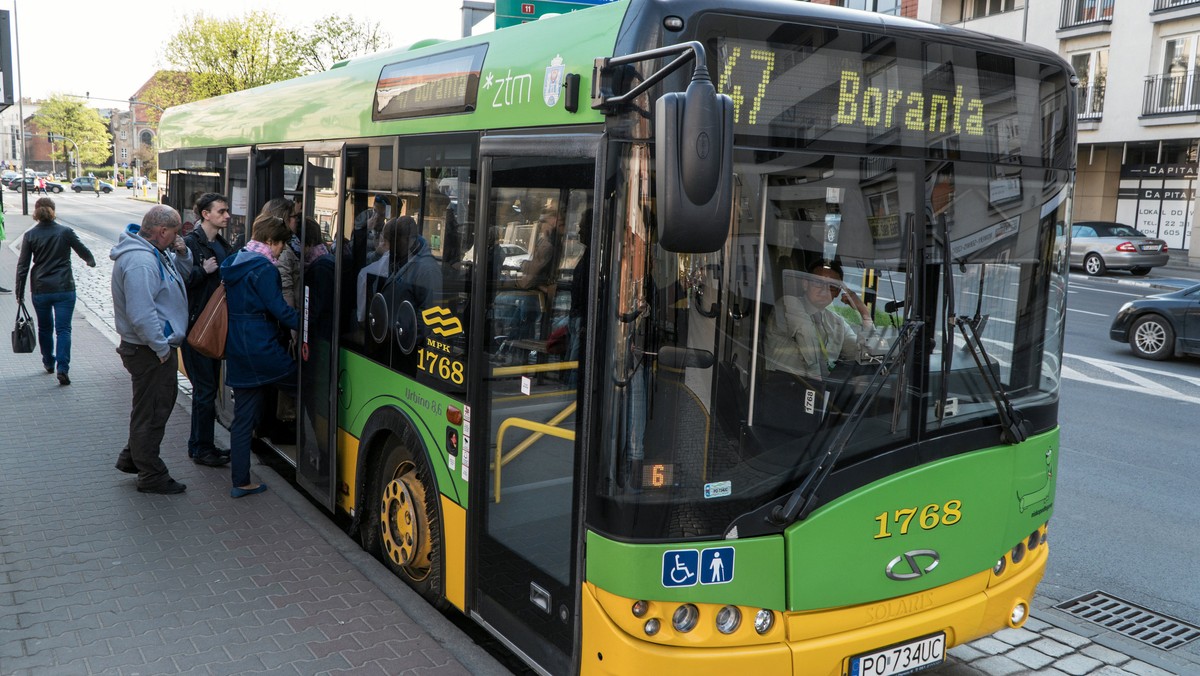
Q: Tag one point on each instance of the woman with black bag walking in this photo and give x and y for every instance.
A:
(52, 284)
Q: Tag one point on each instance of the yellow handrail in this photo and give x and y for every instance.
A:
(534, 368)
(539, 430)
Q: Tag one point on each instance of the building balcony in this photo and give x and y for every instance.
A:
(1170, 10)
(1085, 16)
(1172, 98)
(1160, 5)
(1091, 102)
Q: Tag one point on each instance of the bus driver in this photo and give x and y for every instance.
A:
(804, 337)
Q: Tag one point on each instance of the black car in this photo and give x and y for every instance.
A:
(1161, 326)
(31, 185)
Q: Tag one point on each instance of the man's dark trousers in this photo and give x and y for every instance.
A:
(204, 373)
(154, 389)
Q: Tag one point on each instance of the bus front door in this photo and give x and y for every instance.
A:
(317, 349)
(526, 567)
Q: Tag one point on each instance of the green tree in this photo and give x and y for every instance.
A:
(73, 119)
(336, 38)
(167, 88)
(147, 158)
(229, 55)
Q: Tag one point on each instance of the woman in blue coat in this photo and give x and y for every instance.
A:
(255, 358)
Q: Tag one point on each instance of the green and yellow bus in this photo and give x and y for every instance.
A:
(580, 403)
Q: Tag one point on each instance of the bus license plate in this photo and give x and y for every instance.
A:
(906, 658)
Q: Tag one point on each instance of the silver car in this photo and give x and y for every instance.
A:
(1100, 246)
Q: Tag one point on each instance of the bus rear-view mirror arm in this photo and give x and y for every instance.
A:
(693, 135)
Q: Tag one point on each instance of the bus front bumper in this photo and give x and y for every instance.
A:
(807, 643)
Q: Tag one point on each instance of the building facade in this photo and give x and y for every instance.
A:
(1138, 64)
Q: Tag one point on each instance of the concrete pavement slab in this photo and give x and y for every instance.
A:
(96, 578)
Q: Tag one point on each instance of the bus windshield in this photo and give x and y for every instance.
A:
(733, 374)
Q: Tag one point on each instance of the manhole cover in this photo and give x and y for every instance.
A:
(1129, 619)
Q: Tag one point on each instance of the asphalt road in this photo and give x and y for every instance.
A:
(1125, 514)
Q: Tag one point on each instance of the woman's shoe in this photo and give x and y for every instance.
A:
(236, 492)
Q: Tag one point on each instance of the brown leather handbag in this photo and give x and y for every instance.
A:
(208, 333)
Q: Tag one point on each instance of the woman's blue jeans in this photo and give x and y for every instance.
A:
(54, 312)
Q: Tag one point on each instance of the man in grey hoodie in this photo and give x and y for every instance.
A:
(150, 264)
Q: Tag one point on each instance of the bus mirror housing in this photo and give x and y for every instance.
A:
(694, 167)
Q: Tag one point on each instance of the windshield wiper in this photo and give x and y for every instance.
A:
(803, 499)
(1013, 429)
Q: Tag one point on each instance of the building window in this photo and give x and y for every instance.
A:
(124, 134)
(974, 9)
(1092, 69)
(124, 153)
(878, 6)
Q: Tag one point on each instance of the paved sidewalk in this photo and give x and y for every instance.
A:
(96, 578)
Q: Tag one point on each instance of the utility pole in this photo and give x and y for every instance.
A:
(21, 113)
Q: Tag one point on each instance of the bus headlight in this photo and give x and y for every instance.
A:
(729, 619)
(763, 621)
(684, 619)
(640, 608)
(652, 626)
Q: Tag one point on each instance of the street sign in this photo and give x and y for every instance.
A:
(514, 12)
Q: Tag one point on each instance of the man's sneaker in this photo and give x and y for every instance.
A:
(4, 290)
(211, 459)
(170, 487)
(63, 379)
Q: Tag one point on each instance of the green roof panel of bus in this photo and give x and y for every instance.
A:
(337, 103)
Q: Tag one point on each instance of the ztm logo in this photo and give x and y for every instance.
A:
(442, 322)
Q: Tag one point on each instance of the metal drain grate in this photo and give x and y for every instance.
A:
(1129, 619)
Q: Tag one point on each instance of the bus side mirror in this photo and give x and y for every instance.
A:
(694, 167)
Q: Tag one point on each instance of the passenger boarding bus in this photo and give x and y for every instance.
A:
(723, 338)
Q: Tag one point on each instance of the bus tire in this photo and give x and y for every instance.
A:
(406, 521)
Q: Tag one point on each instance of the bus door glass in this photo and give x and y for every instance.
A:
(237, 189)
(534, 258)
(320, 211)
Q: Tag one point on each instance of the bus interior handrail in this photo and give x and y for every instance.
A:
(539, 430)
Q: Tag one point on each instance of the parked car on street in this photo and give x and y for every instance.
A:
(1100, 246)
(86, 183)
(1161, 326)
(140, 181)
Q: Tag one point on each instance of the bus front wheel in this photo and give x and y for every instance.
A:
(407, 522)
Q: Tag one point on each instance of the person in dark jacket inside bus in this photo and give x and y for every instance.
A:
(255, 357)
(52, 285)
(209, 249)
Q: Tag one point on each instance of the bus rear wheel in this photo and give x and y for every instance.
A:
(407, 522)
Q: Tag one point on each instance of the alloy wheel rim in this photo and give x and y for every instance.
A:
(403, 523)
(1151, 337)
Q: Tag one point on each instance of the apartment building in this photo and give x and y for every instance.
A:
(1138, 63)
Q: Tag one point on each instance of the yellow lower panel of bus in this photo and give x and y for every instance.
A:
(454, 553)
(347, 467)
(964, 610)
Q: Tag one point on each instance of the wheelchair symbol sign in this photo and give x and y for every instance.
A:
(680, 567)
